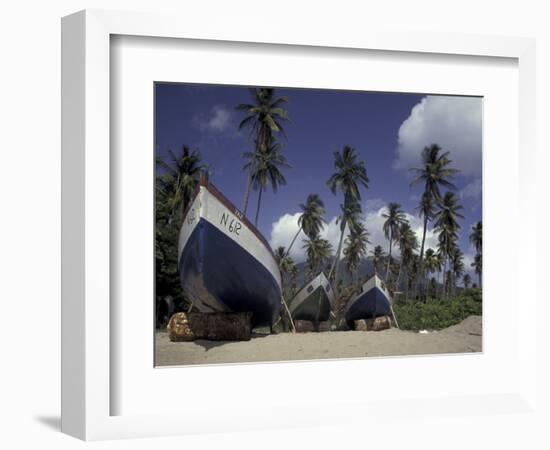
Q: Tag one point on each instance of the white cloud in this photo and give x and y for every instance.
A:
(454, 123)
(282, 233)
(284, 229)
(217, 120)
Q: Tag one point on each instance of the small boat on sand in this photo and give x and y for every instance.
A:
(372, 301)
(225, 264)
(314, 301)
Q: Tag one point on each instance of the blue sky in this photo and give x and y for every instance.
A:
(388, 131)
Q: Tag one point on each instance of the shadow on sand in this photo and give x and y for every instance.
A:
(207, 345)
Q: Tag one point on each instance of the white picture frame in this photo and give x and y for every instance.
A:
(86, 247)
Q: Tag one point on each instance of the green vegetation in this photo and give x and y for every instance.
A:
(476, 239)
(263, 117)
(395, 217)
(174, 187)
(436, 314)
(311, 220)
(356, 249)
(436, 172)
(264, 169)
(318, 251)
(349, 176)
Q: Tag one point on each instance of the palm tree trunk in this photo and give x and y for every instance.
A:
(247, 194)
(336, 263)
(398, 274)
(389, 260)
(421, 263)
(479, 277)
(445, 279)
(258, 207)
(292, 243)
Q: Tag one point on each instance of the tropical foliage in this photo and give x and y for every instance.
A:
(378, 257)
(319, 252)
(356, 249)
(176, 180)
(311, 220)
(476, 236)
(349, 177)
(435, 314)
(263, 117)
(435, 173)
(395, 217)
(264, 169)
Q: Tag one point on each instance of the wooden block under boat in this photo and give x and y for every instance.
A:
(378, 324)
(212, 326)
(306, 326)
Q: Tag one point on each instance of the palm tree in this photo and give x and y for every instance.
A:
(476, 236)
(438, 264)
(183, 172)
(349, 177)
(426, 210)
(311, 220)
(394, 218)
(431, 262)
(458, 266)
(478, 265)
(434, 173)
(407, 243)
(432, 289)
(356, 248)
(466, 279)
(447, 238)
(286, 264)
(377, 258)
(446, 223)
(264, 169)
(412, 265)
(263, 116)
(318, 252)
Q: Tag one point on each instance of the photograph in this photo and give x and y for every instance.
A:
(296, 224)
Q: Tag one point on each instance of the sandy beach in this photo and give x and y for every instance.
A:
(462, 338)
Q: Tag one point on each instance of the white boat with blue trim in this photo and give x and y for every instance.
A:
(225, 264)
(372, 301)
(314, 301)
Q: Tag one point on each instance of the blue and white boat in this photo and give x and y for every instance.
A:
(372, 301)
(225, 264)
(314, 301)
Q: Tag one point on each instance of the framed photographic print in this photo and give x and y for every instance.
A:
(252, 236)
(246, 281)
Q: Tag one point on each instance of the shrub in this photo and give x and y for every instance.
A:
(436, 314)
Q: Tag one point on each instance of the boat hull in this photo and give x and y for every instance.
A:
(373, 301)
(314, 301)
(219, 273)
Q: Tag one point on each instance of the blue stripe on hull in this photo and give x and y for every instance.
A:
(213, 265)
(371, 304)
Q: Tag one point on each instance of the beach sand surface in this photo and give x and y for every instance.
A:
(465, 337)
